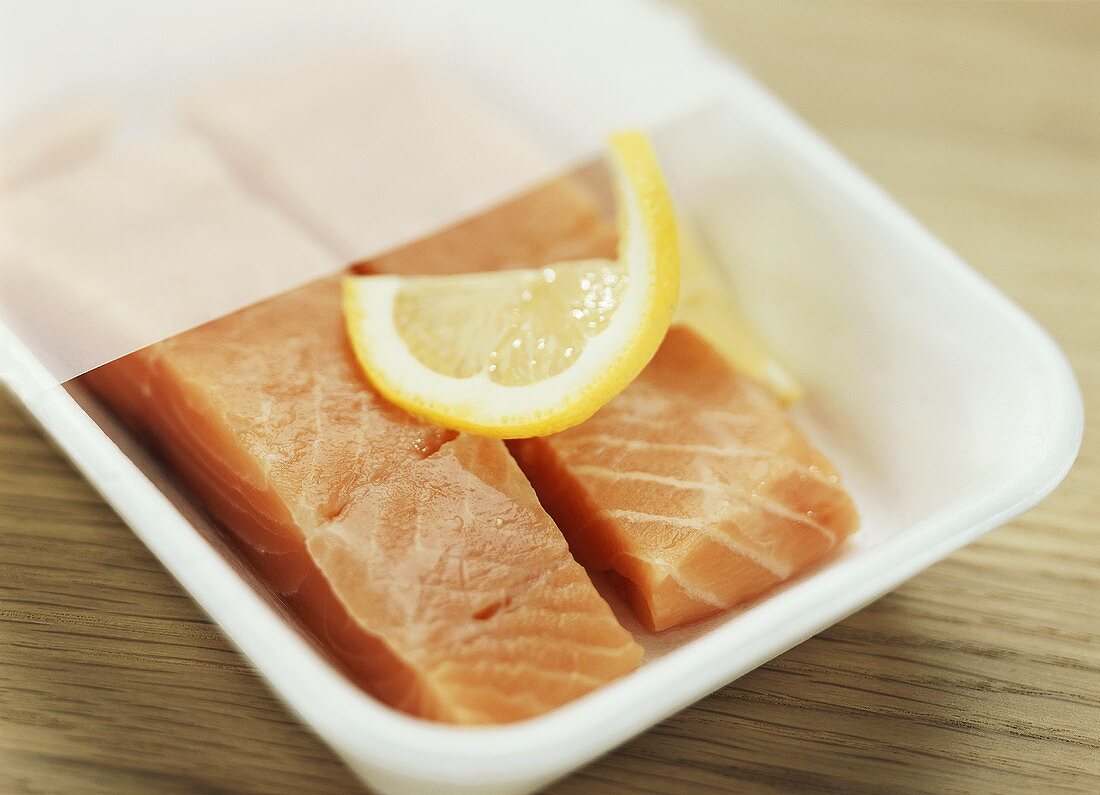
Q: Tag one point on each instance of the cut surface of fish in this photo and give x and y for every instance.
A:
(693, 485)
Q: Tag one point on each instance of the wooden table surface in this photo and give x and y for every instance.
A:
(980, 675)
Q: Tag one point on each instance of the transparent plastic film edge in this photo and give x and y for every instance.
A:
(139, 210)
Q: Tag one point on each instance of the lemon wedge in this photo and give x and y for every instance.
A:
(706, 307)
(528, 352)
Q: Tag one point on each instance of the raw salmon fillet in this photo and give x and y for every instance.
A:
(53, 139)
(139, 216)
(693, 485)
(370, 150)
(419, 557)
(555, 222)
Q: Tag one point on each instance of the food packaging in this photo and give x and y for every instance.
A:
(946, 408)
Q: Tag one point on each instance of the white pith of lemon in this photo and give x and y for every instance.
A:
(527, 352)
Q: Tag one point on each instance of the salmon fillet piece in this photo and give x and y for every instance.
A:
(370, 151)
(138, 215)
(555, 222)
(693, 485)
(420, 558)
(53, 139)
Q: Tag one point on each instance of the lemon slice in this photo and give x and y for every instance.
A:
(527, 352)
(706, 307)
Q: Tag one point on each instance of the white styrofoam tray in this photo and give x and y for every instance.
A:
(945, 407)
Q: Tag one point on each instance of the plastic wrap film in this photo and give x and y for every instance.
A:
(161, 169)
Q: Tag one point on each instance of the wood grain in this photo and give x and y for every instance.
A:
(980, 675)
